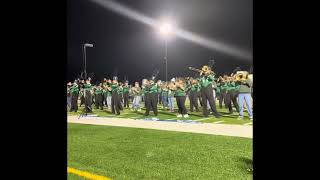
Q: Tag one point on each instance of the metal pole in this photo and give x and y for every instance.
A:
(85, 62)
(166, 58)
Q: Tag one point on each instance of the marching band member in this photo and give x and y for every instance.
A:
(164, 95)
(223, 87)
(69, 95)
(193, 94)
(151, 97)
(180, 94)
(136, 91)
(109, 92)
(115, 101)
(74, 97)
(245, 96)
(88, 96)
(207, 92)
(159, 92)
(104, 85)
(120, 92)
(99, 97)
(126, 94)
(171, 94)
(81, 93)
(231, 95)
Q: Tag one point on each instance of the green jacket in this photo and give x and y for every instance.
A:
(223, 87)
(154, 88)
(98, 91)
(145, 90)
(230, 86)
(125, 89)
(120, 90)
(107, 93)
(115, 88)
(218, 89)
(206, 81)
(87, 87)
(180, 92)
(194, 88)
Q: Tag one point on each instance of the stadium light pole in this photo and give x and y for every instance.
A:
(85, 58)
(166, 30)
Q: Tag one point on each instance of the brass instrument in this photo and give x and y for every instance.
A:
(240, 76)
(172, 86)
(164, 86)
(180, 84)
(194, 81)
(225, 79)
(195, 69)
(204, 70)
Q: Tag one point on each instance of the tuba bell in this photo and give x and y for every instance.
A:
(241, 76)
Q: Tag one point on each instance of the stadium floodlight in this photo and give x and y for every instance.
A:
(88, 45)
(166, 29)
(85, 58)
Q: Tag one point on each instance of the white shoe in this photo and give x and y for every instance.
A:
(240, 118)
(251, 118)
(186, 116)
(179, 115)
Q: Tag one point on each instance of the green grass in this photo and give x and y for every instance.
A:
(132, 153)
(165, 114)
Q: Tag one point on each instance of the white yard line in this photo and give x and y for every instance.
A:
(203, 128)
(172, 119)
(202, 119)
(218, 122)
(135, 117)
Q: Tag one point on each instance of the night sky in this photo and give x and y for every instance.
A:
(130, 48)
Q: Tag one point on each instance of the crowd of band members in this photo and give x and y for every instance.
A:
(206, 89)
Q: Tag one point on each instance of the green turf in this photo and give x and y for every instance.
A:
(165, 114)
(75, 177)
(133, 153)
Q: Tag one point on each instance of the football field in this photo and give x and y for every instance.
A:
(110, 152)
(133, 153)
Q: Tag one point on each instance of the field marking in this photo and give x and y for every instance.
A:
(249, 123)
(218, 122)
(202, 119)
(134, 117)
(238, 130)
(86, 174)
(173, 118)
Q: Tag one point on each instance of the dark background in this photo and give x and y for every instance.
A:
(125, 47)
